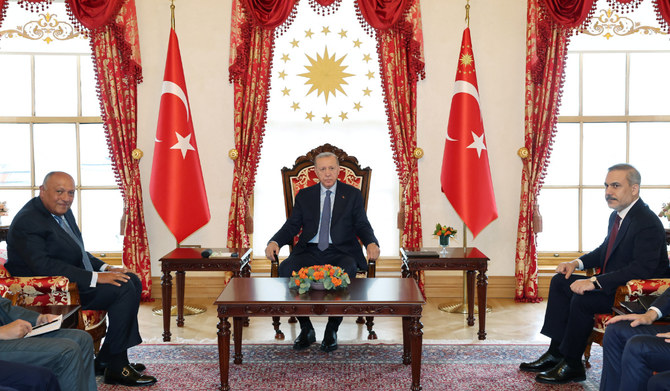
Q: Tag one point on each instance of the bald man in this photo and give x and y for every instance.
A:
(44, 239)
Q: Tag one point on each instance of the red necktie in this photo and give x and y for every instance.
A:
(610, 242)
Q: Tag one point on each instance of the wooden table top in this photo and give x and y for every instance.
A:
(195, 254)
(268, 290)
(452, 252)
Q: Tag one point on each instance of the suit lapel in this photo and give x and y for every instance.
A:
(338, 207)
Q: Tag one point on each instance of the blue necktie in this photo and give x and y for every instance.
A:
(66, 227)
(324, 229)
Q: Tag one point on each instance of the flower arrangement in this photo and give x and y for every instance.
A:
(443, 230)
(3, 208)
(665, 212)
(332, 277)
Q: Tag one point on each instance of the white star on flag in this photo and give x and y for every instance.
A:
(184, 144)
(477, 143)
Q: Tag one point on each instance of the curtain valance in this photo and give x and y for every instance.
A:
(97, 15)
(574, 13)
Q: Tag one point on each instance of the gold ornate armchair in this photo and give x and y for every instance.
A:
(302, 175)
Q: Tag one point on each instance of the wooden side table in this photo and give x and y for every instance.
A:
(184, 259)
(471, 260)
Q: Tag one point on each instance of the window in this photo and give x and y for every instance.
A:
(50, 121)
(614, 109)
(326, 88)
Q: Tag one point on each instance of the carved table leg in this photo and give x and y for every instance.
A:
(166, 286)
(471, 297)
(223, 337)
(481, 292)
(406, 343)
(416, 336)
(237, 339)
(181, 278)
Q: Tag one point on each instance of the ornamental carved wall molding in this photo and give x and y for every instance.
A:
(47, 28)
(608, 24)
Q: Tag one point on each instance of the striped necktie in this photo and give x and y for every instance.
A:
(324, 229)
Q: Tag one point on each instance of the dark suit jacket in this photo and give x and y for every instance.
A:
(348, 222)
(38, 246)
(639, 250)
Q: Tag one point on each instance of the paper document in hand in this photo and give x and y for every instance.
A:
(46, 327)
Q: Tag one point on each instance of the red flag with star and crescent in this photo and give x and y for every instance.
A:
(177, 188)
(466, 176)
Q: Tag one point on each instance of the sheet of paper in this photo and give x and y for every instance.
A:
(46, 327)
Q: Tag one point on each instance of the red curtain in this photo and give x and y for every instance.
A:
(400, 47)
(112, 26)
(401, 55)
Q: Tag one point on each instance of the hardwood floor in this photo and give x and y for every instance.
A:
(507, 321)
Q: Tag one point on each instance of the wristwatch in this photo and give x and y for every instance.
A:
(595, 282)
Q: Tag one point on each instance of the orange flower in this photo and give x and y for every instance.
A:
(337, 281)
(297, 282)
(302, 273)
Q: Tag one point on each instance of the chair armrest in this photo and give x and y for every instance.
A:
(372, 268)
(274, 266)
(40, 290)
(636, 288)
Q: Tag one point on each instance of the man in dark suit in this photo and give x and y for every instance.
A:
(66, 353)
(634, 248)
(634, 348)
(330, 240)
(44, 239)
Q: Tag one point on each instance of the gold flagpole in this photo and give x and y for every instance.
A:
(172, 13)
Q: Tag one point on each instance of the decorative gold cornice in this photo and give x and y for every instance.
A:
(46, 28)
(608, 24)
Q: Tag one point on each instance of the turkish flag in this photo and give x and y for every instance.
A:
(466, 176)
(177, 188)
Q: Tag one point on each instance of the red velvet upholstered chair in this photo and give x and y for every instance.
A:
(50, 290)
(302, 175)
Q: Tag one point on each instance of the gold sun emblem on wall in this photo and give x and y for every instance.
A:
(326, 74)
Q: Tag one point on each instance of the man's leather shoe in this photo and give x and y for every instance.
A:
(305, 338)
(101, 366)
(329, 342)
(544, 363)
(128, 377)
(561, 374)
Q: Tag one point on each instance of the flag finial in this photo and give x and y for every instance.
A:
(467, 12)
(172, 14)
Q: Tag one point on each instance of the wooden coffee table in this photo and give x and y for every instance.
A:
(471, 260)
(184, 259)
(245, 297)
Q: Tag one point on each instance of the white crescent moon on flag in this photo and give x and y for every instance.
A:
(172, 88)
(462, 86)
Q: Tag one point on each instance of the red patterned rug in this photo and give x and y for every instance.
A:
(360, 367)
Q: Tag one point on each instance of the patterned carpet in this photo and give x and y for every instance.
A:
(365, 367)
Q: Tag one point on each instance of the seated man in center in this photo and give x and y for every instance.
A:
(332, 217)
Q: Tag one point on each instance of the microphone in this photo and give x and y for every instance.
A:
(206, 253)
